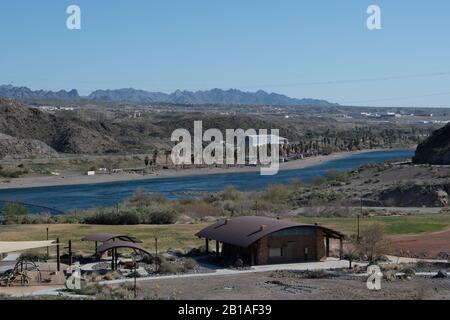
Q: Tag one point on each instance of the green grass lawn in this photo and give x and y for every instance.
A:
(169, 237)
(183, 236)
(395, 225)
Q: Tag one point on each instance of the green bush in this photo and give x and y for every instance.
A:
(110, 216)
(190, 264)
(166, 267)
(158, 214)
(15, 209)
(34, 256)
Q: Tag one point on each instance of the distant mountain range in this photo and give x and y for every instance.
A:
(214, 96)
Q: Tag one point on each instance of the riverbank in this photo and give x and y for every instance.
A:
(76, 178)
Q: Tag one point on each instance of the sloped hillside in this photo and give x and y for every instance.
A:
(15, 148)
(436, 149)
(62, 135)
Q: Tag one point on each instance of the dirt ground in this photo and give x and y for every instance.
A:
(430, 244)
(272, 286)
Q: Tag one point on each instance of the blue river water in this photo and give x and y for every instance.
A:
(66, 198)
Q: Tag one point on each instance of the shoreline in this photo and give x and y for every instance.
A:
(73, 178)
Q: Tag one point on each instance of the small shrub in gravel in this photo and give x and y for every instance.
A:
(190, 264)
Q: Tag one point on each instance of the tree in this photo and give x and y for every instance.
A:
(372, 242)
(146, 161)
(154, 157)
(15, 209)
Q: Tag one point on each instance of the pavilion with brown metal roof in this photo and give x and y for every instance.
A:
(113, 246)
(106, 237)
(262, 240)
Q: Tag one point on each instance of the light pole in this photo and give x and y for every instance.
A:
(135, 275)
(48, 252)
(156, 258)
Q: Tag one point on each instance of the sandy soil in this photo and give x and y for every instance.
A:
(72, 178)
(431, 243)
(269, 286)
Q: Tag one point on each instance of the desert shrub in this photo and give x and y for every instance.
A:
(315, 274)
(196, 252)
(190, 264)
(159, 214)
(110, 216)
(229, 207)
(141, 198)
(15, 209)
(230, 193)
(198, 209)
(106, 292)
(166, 267)
(318, 181)
(114, 275)
(338, 176)
(408, 272)
(276, 193)
(421, 264)
(34, 256)
(10, 174)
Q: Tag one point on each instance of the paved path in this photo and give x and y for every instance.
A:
(11, 257)
(330, 264)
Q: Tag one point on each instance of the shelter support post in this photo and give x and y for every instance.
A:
(70, 252)
(327, 245)
(112, 259)
(341, 248)
(217, 249)
(58, 256)
(207, 246)
(115, 258)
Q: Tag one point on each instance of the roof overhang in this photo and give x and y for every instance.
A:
(244, 231)
(17, 246)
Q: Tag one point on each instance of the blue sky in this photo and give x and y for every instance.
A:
(289, 46)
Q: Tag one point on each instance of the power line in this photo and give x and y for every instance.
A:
(297, 84)
(399, 98)
(349, 81)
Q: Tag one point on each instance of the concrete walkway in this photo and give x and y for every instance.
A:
(401, 260)
(330, 264)
(11, 257)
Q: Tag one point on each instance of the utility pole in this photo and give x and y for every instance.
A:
(358, 217)
(156, 258)
(48, 252)
(135, 275)
(70, 253)
(358, 236)
(58, 258)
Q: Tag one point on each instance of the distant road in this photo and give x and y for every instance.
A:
(417, 210)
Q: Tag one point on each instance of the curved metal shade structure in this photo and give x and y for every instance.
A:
(244, 231)
(121, 244)
(105, 237)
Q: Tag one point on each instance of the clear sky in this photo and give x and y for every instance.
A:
(304, 49)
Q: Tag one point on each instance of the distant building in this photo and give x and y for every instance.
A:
(262, 140)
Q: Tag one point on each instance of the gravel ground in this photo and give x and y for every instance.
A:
(271, 285)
